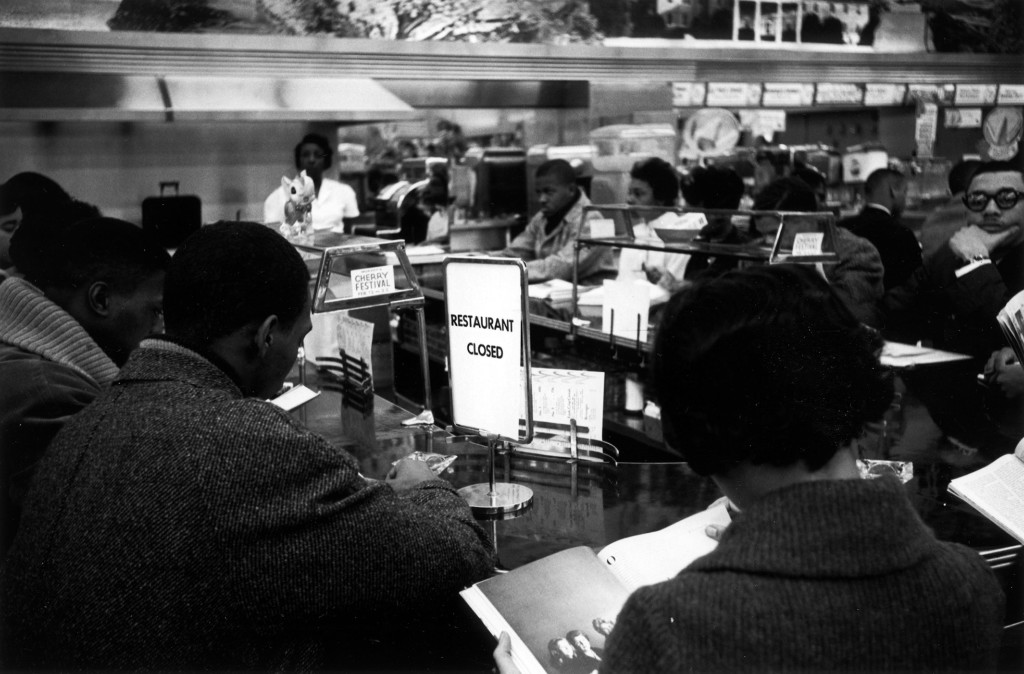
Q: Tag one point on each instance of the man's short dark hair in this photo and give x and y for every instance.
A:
(559, 169)
(319, 141)
(713, 187)
(662, 178)
(960, 175)
(42, 225)
(882, 177)
(786, 194)
(30, 191)
(765, 365)
(995, 167)
(99, 249)
(229, 275)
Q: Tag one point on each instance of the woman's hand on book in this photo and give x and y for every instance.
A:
(503, 656)
(714, 531)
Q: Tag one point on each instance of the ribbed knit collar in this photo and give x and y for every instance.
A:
(31, 321)
(825, 529)
(161, 359)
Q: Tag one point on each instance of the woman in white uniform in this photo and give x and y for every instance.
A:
(335, 201)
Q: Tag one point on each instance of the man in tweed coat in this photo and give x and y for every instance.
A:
(182, 523)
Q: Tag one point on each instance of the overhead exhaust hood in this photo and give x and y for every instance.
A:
(42, 96)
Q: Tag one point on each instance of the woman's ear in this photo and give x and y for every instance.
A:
(263, 338)
(97, 296)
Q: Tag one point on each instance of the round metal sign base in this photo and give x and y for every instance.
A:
(507, 498)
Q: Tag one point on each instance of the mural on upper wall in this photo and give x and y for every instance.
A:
(981, 26)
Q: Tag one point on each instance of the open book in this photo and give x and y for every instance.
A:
(1011, 320)
(544, 604)
(997, 491)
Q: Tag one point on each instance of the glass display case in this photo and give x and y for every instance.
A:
(756, 237)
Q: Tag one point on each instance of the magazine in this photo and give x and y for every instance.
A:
(558, 610)
(1011, 320)
(997, 491)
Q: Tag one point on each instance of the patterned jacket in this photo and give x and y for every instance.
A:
(176, 524)
(818, 577)
(50, 368)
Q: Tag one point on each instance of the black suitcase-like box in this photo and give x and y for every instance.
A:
(171, 218)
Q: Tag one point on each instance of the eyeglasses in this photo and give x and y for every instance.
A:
(1006, 199)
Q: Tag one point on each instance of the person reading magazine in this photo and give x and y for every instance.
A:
(764, 379)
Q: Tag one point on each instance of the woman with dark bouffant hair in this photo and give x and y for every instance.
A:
(764, 379)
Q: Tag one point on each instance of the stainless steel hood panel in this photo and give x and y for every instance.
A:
(326, 99)
(64, 96)
(49, 96)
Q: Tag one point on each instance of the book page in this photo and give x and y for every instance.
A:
(997, 491)
(658, 556)
(544, 601)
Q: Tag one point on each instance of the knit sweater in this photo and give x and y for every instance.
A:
(50, 368)
(175, 524)
(819, 576)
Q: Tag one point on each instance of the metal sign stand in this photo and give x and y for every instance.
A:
(496, 499)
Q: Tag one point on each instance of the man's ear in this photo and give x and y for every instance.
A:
(264, 337)
(97, 296)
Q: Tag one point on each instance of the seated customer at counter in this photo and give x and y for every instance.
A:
(548, 242)
(92, 292)
(183, 523)
(765, 379)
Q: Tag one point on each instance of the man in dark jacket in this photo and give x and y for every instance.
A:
(183, 523)
(885, 193)
(94, 293)
(954, 298)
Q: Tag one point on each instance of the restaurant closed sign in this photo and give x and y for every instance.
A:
(484, 303)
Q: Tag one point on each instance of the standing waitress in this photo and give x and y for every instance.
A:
(335, 202)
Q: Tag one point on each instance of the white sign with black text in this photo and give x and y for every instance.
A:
(484, 311)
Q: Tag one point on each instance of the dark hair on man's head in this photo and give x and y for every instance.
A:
(30, 191)
(319, 141)
(229, 275)
(995, 167)
(713, 187)
(960, 175)
(42, 225)
(881, 179)
(662, 178)
(572, 634)
(559, 169)
(98, 249)
(786, 194)
(814, 178)
(765, 365)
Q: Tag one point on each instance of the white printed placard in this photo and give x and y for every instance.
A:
(602, 228)
(355, 338)
(733, 94)
(839, 94)
(484, 300)
(975, 94)
(787, 95)
(373, 281)
(884, 94)
(760, 121)
(625, 309)
(561, 395)
(807, 243)
(1011, 94)
(963, 118)
(688, 94)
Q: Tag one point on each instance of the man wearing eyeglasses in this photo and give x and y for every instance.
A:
(953, 299)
